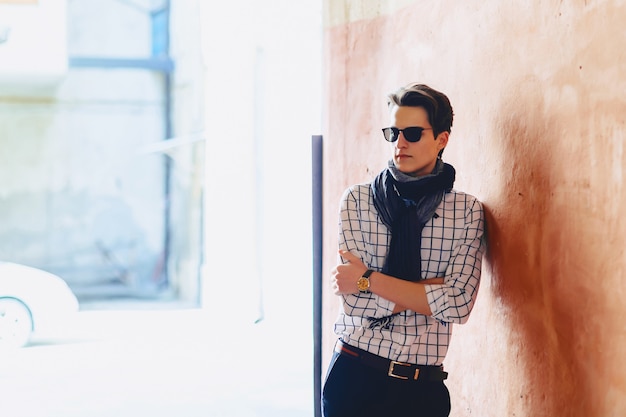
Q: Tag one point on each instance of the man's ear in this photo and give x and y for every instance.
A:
(442, 140)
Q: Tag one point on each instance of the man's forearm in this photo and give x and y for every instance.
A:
(406, 295)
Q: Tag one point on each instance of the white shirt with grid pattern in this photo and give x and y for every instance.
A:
(452, 247)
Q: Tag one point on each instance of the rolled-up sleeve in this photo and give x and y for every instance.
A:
(362, 234)
(453, 301)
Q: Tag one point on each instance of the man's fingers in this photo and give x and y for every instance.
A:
(347, 256)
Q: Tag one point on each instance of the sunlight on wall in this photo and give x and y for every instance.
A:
(263, 86)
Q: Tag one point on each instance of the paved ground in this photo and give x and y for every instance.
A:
(166, 361)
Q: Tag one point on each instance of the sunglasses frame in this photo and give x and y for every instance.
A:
(413, 131)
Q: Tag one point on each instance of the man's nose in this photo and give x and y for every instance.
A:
(401, 142)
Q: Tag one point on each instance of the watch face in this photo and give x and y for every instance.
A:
(363, 284)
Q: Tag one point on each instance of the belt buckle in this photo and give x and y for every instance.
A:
(391, 373)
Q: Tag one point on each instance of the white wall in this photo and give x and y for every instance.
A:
(33, 47)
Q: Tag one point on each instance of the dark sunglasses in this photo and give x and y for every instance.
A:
(411, 134)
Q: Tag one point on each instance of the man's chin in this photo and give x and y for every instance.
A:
(403, 166)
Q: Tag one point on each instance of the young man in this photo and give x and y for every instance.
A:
(411, 250)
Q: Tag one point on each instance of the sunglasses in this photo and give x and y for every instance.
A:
(411, 134)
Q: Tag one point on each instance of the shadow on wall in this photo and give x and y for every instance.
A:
(539, 259)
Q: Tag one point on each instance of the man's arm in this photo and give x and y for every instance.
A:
(406, 294)
(450, 302)
(363, 243)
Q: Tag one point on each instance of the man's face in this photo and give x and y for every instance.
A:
(415, 158)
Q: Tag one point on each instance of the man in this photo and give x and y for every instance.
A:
(411, 250)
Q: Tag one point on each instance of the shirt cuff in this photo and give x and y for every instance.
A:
(385, 306)
(437, 300)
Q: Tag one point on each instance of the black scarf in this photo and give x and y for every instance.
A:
(405, 204)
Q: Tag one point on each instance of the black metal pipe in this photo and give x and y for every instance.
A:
(317, 159)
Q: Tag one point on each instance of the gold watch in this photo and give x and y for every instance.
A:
(363, 283)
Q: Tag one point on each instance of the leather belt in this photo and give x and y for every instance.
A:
(393, 369)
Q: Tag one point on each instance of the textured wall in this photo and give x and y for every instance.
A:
(539, 137)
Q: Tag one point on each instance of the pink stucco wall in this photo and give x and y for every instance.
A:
(539, 90)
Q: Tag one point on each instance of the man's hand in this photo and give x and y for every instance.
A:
(344, 276)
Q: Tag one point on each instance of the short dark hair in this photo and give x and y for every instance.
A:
(436, 104)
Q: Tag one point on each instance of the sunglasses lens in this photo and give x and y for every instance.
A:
(390, 134)
(413, 134)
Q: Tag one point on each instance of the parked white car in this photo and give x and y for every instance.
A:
(31, 301)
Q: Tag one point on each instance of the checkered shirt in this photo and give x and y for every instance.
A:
(452, 247)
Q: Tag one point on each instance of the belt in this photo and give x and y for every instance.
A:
(393, 369)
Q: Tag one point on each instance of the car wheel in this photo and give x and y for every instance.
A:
(16, 323)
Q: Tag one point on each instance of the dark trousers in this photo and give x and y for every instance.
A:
(354, 390)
